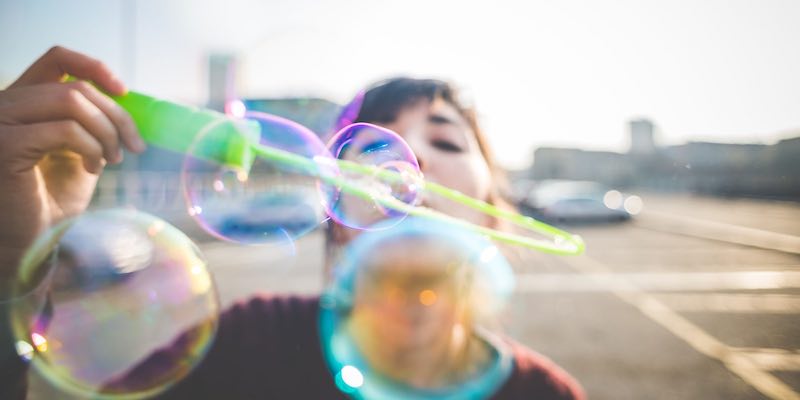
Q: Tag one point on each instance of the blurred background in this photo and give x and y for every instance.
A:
(667, 134)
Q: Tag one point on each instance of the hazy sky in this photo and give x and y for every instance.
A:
(558, 73)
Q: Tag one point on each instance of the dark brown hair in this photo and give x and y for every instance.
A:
(385, 100)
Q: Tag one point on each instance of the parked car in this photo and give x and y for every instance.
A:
(268, 217)
(564, 200)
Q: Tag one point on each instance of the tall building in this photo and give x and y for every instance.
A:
(221, 80)
(642, 137)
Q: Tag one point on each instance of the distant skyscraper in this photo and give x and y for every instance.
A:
(221, 80)
(642, 137)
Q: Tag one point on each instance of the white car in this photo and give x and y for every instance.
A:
(562, 200)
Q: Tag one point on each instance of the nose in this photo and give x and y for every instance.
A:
(420, 152)
(421, 162)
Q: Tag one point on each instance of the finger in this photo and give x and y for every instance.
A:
(68, 102)
(43, 138)
(59, 61)
(37, 96)
(126, 128)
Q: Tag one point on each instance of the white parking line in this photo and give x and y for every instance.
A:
(595, 281)
(772, 359)
(672, 223)
(741, 364)
(733, 303)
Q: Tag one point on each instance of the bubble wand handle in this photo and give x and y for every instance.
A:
(174, 127)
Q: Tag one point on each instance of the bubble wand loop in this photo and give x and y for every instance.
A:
(153, 117)
(563, 242)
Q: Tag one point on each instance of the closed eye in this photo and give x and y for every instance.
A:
(447, 146)
(440, 120)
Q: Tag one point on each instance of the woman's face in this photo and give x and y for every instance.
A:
(408, 299)
(448, 154)
(408, 310)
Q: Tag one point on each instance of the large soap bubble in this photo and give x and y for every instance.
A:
(407, 312)
(99, 293)
(254, 179)
(392, 172)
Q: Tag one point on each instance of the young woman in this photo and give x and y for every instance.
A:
(54, 140)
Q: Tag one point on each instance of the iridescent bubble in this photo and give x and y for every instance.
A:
(99, 293)
(407, 313)
(395, 175)
(239, 193)
(349, 112)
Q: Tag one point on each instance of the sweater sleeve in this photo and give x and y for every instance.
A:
(213, 373)
(261, 350)
(13, 370)
(537, 377)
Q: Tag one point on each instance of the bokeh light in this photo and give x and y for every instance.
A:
(634, 204)
(352, 376)
(613, 199)
(235, 108)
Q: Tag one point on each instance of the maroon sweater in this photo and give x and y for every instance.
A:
(269, 348)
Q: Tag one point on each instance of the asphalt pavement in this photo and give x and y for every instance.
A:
(670, 305)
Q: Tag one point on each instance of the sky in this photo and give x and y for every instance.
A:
(566, 73)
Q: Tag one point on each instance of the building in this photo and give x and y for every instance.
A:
(642, 135)
(700, 167)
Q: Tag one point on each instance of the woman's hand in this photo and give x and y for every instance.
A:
(55, 139)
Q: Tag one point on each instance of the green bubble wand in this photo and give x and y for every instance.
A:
(174, 127)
